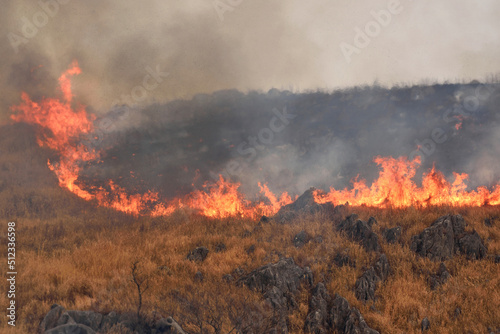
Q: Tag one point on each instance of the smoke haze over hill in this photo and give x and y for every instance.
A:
(244, 45)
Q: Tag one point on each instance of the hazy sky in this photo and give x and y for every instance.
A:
(259, 44)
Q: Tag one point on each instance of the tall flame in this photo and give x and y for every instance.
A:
(61, 126)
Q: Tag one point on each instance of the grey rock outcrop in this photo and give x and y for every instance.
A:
(392, 235)
(343, 259)
(318, 319)
(168, 326)
(367, 284)
(359, 231)
(301, 238)
(446, 237)
(71, 329)
(472, 246)
(426, 324)
(306, 205)
(279, 282)
(51, 318)
(198, 254)
(327, 314)
(60, 321)
(440, 277)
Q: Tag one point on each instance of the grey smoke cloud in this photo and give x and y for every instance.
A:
(258, 45)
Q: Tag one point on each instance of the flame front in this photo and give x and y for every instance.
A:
(395, 188)
(62, 125)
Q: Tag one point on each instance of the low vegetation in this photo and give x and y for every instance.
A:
(83, 261)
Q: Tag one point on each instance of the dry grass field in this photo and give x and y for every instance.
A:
(81, 257)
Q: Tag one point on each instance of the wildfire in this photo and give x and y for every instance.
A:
(395, 188)
(62, 125)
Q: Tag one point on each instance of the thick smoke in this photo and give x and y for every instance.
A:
(294, 141)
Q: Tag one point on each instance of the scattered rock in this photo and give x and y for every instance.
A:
(264, 219)
(345, 319)
(199, 277)
(198, 254)
(301, 238)
(109, 320)
(220, 247)
(359, 231)
(50, 319)
(472, 246)
(317, 320)
(440, 277)
(339, 312)
(392, 235)
(489, 222)
(71, 329)
(366, 285)
(228, 278)
(250, 249)
(90, 319)
(169, 325)
(327, 315)
(306, 205)
(372, 221)
(426, 324)
(437, 242)
(343, 259)
(356, 324)
(446, 237)
(279, 282)
(60, 321)
(457, 312)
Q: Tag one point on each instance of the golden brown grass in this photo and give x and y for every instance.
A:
(82, 260)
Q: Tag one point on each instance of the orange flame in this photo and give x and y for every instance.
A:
(61, 126)
(275, 203)
(395, 188)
